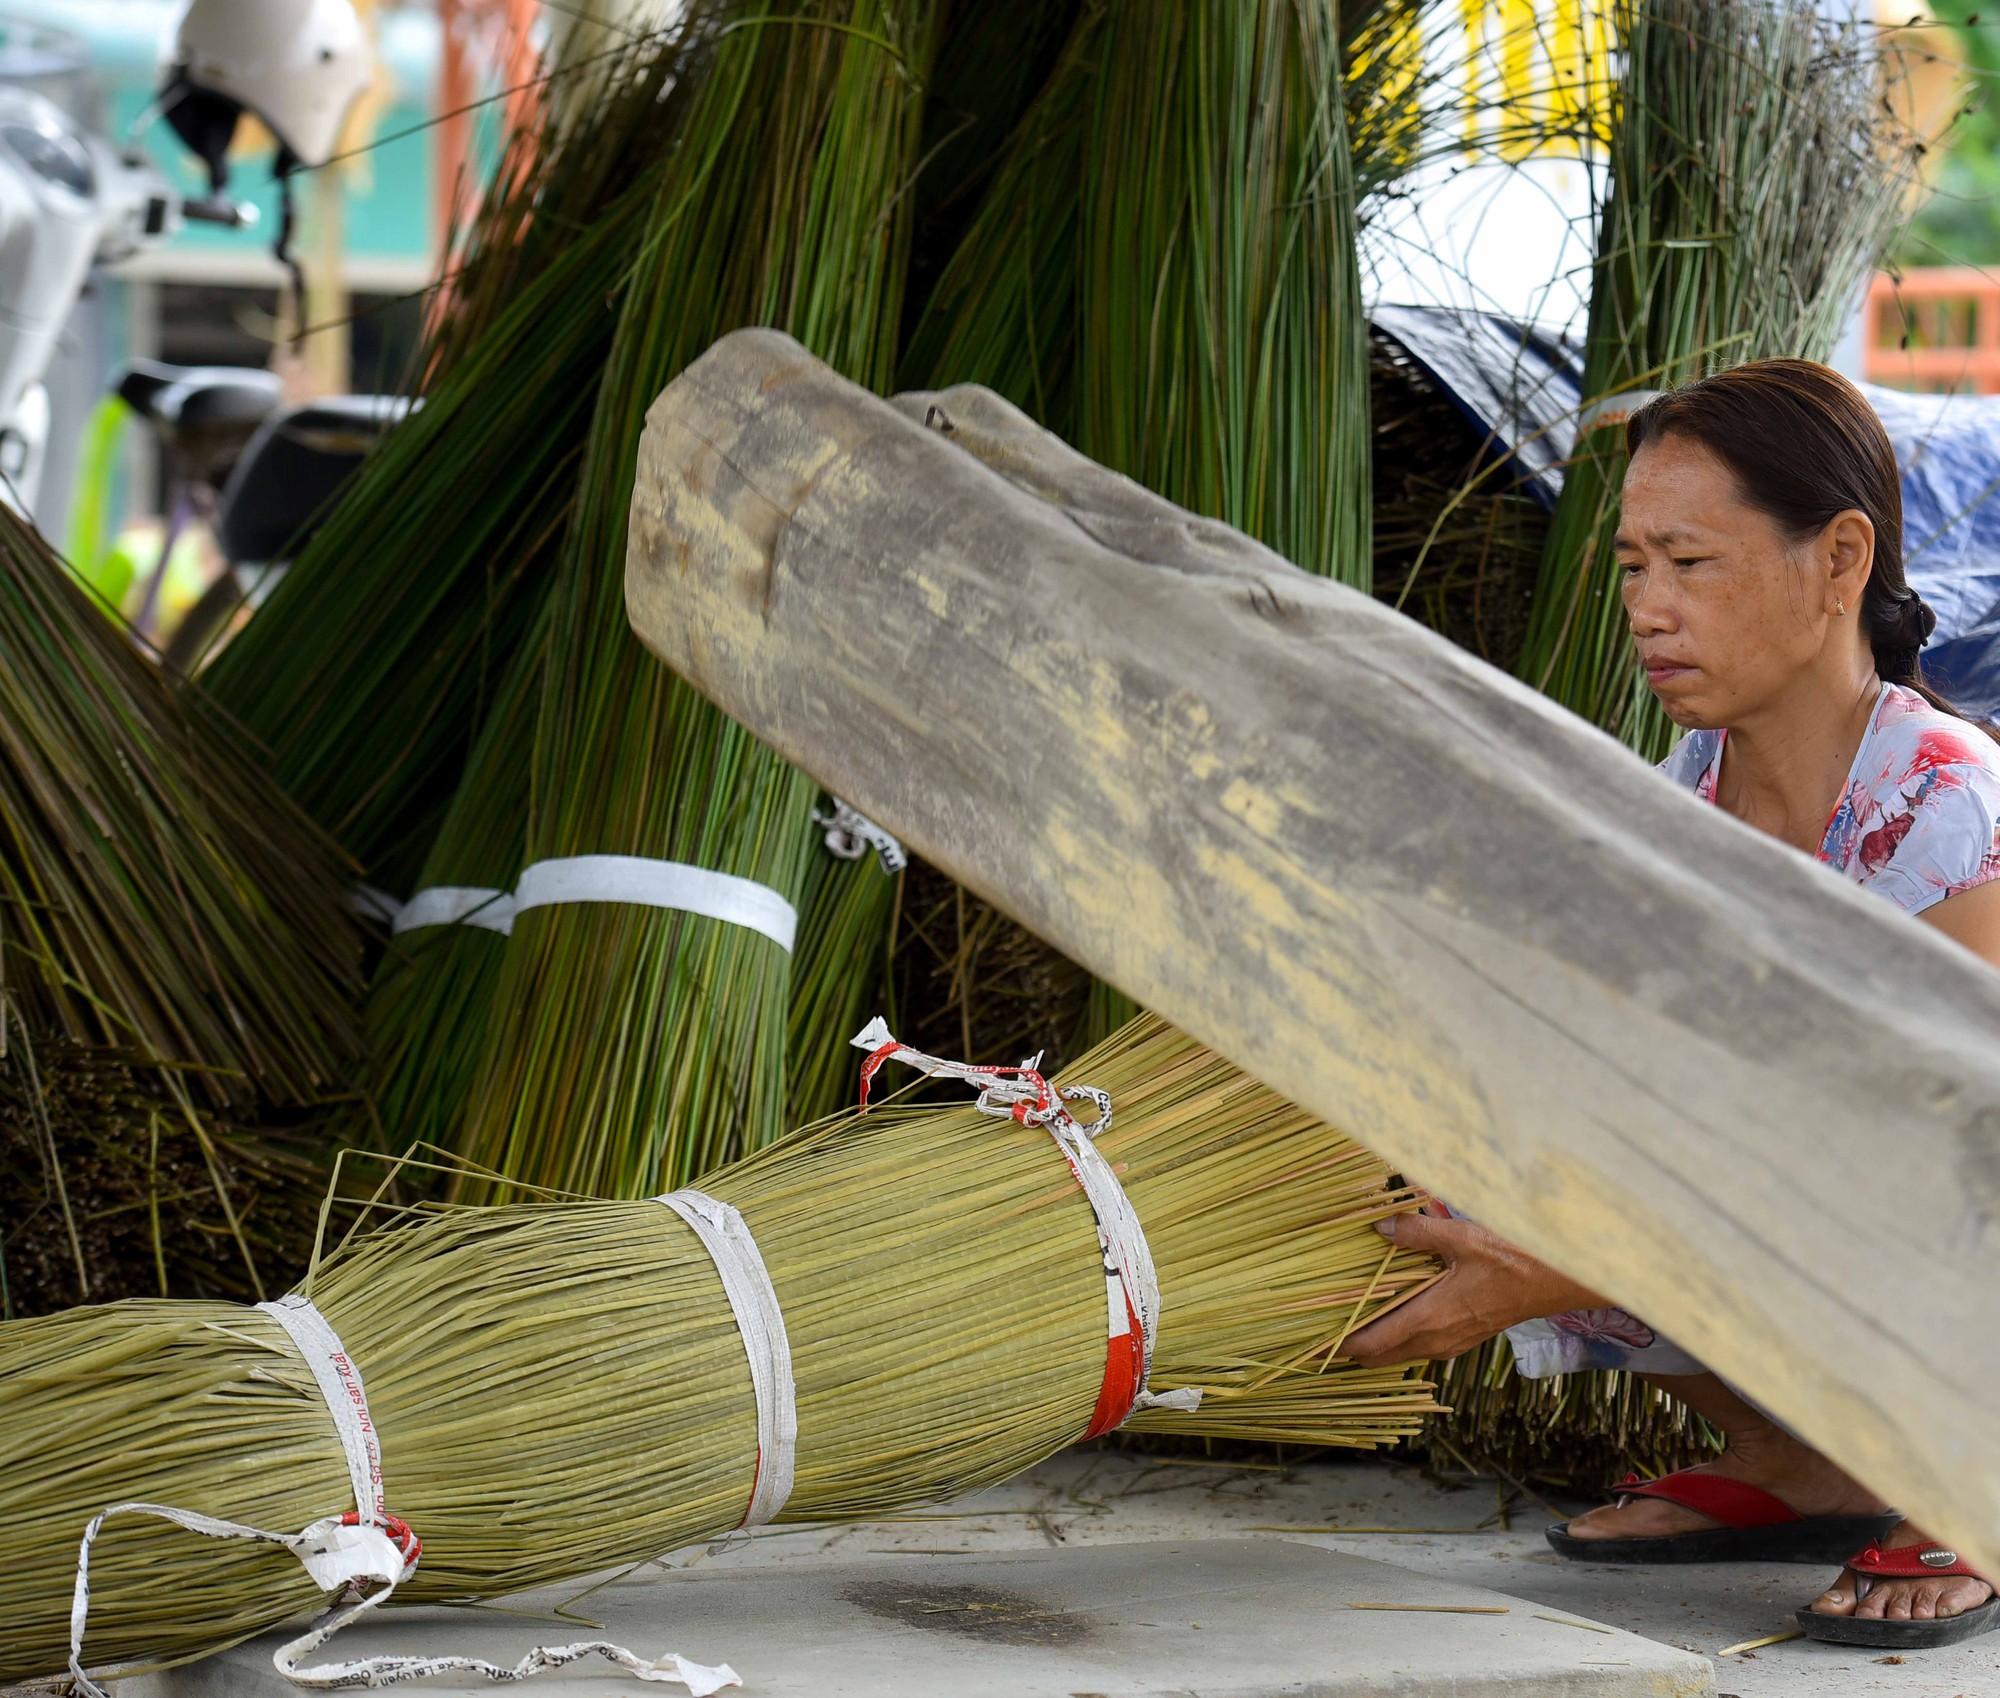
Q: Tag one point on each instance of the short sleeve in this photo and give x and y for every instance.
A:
(1945, 841)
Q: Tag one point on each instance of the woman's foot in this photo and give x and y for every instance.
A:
(1761, 1455)
(1872, 1598)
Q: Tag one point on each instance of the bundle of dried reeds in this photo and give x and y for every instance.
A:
(561, 1387)
(1576, 1433)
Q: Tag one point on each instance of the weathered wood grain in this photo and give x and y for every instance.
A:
(1671, 1056)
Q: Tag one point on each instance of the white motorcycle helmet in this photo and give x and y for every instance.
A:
(298, 65)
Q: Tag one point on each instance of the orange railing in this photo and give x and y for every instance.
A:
(1936, 328)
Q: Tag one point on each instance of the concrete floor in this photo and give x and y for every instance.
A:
(1480, 1534)
(1085, 1497)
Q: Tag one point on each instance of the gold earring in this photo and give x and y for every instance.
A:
(1839, 606)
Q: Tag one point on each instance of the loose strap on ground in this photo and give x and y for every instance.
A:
(360, 1557)
(754, 1302)
(659, 884)
(1131, 1284)
(456, 905)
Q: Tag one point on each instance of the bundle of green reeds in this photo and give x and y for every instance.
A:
(557, 1388)
(992, 62)
(1756, 176)
(651, 1032)
(158, 896)
(368, 672)
(1163, 271)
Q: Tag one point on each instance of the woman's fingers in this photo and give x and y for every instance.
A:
(1430, 1235)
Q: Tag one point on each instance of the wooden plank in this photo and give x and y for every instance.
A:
(1668, 1054)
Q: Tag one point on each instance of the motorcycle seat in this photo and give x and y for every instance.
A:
(178, 399)
(297, 462)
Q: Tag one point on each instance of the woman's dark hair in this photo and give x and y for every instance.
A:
(1805, 446)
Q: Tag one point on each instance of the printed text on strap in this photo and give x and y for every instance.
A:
(1132, 1287)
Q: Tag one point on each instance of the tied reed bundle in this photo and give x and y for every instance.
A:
(633, 1047)
(1757, 176)
(368, 672)
(158, 896)
(1222, 355)
(991, 62)
(561, 1387)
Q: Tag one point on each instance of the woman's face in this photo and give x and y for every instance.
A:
(1725, 612)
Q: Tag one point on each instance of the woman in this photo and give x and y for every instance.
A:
(1761, 547)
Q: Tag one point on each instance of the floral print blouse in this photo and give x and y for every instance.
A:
(1919, 820)
(1920, 817)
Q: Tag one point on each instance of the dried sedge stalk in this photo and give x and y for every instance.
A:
(560, 1388)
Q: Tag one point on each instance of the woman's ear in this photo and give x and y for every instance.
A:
(1848, 545)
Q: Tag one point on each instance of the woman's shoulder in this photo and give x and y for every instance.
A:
(1920, 819)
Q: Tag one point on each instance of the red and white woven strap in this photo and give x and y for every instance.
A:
(1131, 1284)
(360, 1557)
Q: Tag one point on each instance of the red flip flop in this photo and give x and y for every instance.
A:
(1906, 1562)
(1755, 1526)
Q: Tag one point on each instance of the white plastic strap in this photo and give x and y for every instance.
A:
(339, 1382)
(456, 905)
(373, 904)
(1611, 411)
(1132, 1285)
(659, 884)
(360, 1558)
(850, 834)
(747, 1284)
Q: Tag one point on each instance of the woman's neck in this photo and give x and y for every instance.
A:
(1784, 766)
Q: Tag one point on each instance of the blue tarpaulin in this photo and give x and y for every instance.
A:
(1522, 388)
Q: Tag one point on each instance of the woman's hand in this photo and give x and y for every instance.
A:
(1487, 1286)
